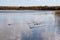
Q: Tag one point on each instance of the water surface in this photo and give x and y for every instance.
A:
(28, 25)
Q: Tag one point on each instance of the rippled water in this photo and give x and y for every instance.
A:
(28, 25)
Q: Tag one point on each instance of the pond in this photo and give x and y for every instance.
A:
(28, 25)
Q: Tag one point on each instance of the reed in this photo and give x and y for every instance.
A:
(29, 7)
(57, 12)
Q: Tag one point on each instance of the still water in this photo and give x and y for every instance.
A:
(28, 25)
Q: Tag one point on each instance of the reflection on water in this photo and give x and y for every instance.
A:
(28, 25)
